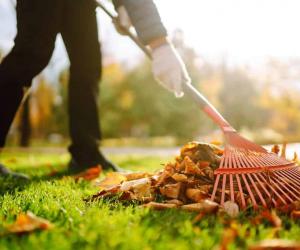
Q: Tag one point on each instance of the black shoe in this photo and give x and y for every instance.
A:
(5, 172)
(74, 167)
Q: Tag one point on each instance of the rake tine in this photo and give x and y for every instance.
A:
(213, 196)
(249, 191)
(259, 161)
(231, 162)
(235, 156)
(244, 162)
(291, 182)
(276, 184)
(286, 188)
(215, 188)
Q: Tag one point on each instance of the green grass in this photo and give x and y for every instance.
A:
(104, 225)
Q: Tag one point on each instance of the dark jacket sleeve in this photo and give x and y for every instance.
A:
(145, 18)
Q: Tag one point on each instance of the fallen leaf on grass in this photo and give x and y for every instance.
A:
(135, 176)
(89, 174)
(196, 195)
(174, 201)
(112, 179)
(159, 206)
(276, 244)
(114, 190)
(295, 214)
(171, 190)
(206, 206)
(140, 188)
(28, 222)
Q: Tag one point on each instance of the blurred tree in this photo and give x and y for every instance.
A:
(42, 99)
(239, 100)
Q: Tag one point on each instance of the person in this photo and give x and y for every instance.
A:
(38, 23)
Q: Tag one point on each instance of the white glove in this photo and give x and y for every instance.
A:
(169, 69)
(123, 20)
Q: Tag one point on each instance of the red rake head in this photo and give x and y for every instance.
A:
(249, 175)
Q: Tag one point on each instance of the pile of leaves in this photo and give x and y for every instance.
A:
(186, 183)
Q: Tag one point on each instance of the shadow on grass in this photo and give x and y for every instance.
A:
(10, 185)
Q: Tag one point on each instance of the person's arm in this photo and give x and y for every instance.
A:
(167, 65)
(145, 19)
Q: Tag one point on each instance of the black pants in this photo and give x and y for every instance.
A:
(38, 23)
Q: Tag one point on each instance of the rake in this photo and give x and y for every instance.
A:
(248, 174)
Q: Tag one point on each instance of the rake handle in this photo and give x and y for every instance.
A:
(188, 88)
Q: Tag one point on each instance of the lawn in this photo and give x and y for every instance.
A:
(104, 225)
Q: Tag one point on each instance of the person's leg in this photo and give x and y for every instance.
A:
(37, 26)
(80, 36)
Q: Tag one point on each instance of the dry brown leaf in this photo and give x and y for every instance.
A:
(171, 190)
(276, 244)
(295, 214)
(89, 174)
(179, 177)
(203, 164)
(174, 201)
(231, 208)
(206, 206)
(112, 179)
(196, 195)
(140, 187)
(109, 192)
(159, 206)
(135, 176)
(26, 223)
(191, 167)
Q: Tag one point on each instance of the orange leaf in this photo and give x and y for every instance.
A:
(203, 164)
(275, 149)
(111, 180)
(295, 214)
(89, 174)
(28, 222)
